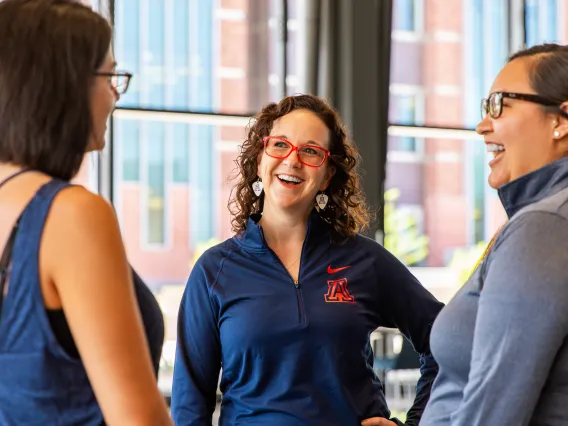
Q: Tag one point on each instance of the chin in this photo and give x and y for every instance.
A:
(96, 145)
(497, 182)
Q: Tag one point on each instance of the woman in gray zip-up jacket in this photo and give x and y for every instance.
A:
(501, 342)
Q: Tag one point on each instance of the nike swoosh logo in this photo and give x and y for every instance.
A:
(331, 270)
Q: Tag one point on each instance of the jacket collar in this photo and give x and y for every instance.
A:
(253, 237)
(534, 186)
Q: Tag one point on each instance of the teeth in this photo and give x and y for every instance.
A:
(289, 178)
(493, 147)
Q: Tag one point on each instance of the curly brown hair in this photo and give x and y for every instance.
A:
(346, 211)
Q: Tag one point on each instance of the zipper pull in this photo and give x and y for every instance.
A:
(296, 283)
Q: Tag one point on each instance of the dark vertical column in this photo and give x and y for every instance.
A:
(313, 45)
(282, 44)
(258, 52)
(361, 89)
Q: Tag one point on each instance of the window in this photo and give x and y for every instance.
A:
(202, 170)
(88, 173)
(155, 177)
(181, 149)
(195, 55)
(406, 15)
(128, 138)
(407, 109)
(541, 21)
(432, 61)
(127, 49)
(436, 164)
(178, 208)
(488, 38)
(152, 74)
(179, 80)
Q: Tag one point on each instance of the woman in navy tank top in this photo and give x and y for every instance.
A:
(80, 333)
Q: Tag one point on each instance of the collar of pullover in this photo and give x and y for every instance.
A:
(534, 186)
(253, 237)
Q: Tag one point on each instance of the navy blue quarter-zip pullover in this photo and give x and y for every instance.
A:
(295, 353)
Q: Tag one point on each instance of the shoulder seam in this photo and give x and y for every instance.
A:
(225, 257)
(499, 240)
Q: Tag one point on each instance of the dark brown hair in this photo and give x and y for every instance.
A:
(346, 211)
(49, 52)
(548, 68)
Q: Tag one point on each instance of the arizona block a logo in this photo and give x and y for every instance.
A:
(337, 291)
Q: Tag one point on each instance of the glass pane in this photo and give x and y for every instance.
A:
(449, 53)
(404, 18)
(177, 207)
(544, 21)
(127, 132)
(155, 168)
(88, 173)
(439, 209)
(181, 147)
(202, 55)
(406, 108)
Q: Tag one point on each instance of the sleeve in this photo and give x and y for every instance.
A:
(198, 352)
(405, 304)
(521, 322)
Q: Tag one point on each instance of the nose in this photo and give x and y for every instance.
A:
(293, 160)
(116, 95)
(485, 125)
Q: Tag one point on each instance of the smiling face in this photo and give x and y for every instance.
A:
(289, 185)
(103, 99)
(521, 139)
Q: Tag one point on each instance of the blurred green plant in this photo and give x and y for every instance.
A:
(402, 236)
(465, 259)
(399, 415)
(202, 247)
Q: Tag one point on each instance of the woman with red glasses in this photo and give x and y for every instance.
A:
(287, 305)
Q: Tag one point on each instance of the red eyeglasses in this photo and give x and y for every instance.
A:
(310, 155)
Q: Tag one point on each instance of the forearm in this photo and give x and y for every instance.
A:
(428, 372)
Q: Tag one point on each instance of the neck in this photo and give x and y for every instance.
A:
(7, 169)
(282, 229)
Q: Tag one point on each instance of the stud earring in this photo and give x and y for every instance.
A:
(556, 134)
(257, 187)
(321, 200)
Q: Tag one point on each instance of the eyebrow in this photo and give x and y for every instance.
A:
(310, 142)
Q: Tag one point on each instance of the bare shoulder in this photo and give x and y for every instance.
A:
(81, 226)
(78, 206)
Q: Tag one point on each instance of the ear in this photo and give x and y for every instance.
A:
(560, 124)
(330, 172)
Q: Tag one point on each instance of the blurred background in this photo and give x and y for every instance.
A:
(406, 75)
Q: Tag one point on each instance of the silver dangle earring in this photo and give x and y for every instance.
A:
(321, 200)
(258, 187)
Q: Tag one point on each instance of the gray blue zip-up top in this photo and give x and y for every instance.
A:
(501, 342)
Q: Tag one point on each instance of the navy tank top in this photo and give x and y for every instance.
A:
(41, 382)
